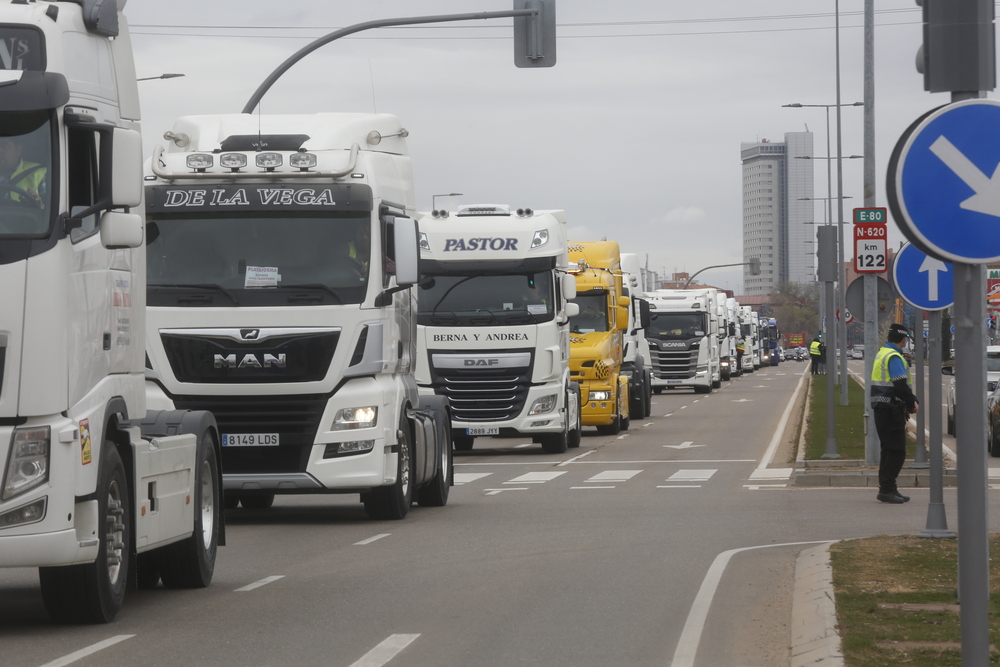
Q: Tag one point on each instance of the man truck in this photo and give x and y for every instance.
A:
(282, 253)
(684, 340)
(597, 335)
(636, 364)
(493, 324)
(97, 492)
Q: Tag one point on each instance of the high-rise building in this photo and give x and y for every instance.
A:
(777, 214)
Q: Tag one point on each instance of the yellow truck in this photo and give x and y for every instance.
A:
(596, 334)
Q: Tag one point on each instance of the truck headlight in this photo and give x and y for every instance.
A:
(27, 462)
(599, 396)
(543, 404)
(352, 418)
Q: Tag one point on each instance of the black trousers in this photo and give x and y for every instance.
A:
(890, 424)
(815, 363)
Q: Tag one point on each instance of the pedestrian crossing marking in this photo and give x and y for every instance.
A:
(614, 476)
(692, 475)
(466, 477)
(772, 473)
(536, 477)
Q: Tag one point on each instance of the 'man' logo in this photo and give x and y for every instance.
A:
(250, 361)
(482, 362)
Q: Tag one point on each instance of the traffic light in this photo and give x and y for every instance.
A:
(755, 266)
(958, 51)
(535, 36)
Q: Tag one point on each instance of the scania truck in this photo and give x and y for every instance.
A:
(636, 363)
(493, 323)
(97, 492)
(683, 340)
(282, 253)
(597, 335)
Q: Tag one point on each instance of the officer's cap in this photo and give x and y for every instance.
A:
(898, 329)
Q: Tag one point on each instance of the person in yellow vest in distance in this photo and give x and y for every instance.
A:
(892, 402)
(20, 180)
(741, 349)
(816, 354)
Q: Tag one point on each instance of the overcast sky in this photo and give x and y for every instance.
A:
(635, 132)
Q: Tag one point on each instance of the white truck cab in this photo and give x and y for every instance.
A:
(683, 340)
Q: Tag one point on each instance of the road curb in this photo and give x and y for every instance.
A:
(815, 641)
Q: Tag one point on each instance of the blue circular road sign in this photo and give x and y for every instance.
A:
(923, 281)
(943, 182)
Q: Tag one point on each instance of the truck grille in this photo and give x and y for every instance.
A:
(674, 364)
(295, 419)
(484, 394)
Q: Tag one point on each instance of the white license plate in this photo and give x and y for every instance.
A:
(483, 430)
(250, 440)
(674, 381)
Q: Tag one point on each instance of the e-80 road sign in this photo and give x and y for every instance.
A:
(869, 247)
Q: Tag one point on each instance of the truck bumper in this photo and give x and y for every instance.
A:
(553, 421)
(701, 379)
(68, 546)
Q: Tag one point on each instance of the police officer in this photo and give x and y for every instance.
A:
(892, 402)
(816, 354)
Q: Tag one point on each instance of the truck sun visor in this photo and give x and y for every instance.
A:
(35, 91)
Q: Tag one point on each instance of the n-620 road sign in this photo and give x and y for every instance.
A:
(869, 247)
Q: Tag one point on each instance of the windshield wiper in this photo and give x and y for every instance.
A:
(203, 286)
(514, 315)
(320, 286)
(448, 291)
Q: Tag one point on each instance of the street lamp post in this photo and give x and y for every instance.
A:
(171, 75)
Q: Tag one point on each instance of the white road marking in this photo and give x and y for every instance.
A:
(669, 415)
(681, 486)
(647, 424)
(692, 475)
(676, 461)
(257, 584)
(614, 476)
(772, 473)
(536, 477)
(684, 445)
(466, 477)
(743, 400)
(577, 457)
(687, 645)
(622, 437)
(386, 651)
(371, 539)
(493, 492)
(683, 407)
(772, 447)
(696, 400)
(758, 487)
(993, 472)
(84, 652)
(591, 487)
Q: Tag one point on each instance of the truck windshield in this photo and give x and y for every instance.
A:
(676, 325)
(246, 259)
(992, 363)
(593, 313)
(486, 299)
(25, 156)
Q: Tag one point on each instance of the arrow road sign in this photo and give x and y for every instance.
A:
(923, 281)
(943, 183)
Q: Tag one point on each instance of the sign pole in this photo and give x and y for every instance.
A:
(937, 520)
(826, 244)
(872, 446)
(920, 455)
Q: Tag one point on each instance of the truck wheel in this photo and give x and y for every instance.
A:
(94, 592)
(703, 390)
(574, 435)
(435, 492)
(191, 562)
(393, 502)
(615, 427)
(463, 443)
(556, 443)
(257, 501)
(636, 401)
(657, 390)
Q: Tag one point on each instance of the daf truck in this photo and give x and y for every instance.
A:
(282, 256)
(597, 335)
(636, 363)
(493, 324)
(683, 340)
(97, 492)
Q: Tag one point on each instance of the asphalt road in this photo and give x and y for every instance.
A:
(593, 557)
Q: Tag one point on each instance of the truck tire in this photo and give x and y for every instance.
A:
(615, 427)
(636, 400)
(393, 502)
(435, 492)
(657, 390)
(463, 443)
(256, 501)
(576, 433)
(648, 409)
(703, 390)
(191, 562)
(94, 592)
(555, 443)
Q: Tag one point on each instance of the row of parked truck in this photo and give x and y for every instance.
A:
(259, 309)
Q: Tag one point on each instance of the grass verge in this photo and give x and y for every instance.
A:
(848, 421)
(871, 573)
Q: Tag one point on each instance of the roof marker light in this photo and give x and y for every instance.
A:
(199, 161)
(268, 161)
(233, 161)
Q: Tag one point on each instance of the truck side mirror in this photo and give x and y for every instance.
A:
(624, 301)
(121, 230)
(644, 318)
(568, 285)
(572, 309)
(406, 244)
(126, 180)
(621, 318)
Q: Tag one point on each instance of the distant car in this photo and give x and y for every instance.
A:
(858, 352)
(789, 353)
(992, 381)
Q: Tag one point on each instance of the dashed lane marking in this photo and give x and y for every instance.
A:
(84, 652)
(493, 492)
(536, 477)
(622, 437)
(257, 584)
(614, 476)
(385, 651)
(371, 539)
(466, 477)
(692, 475)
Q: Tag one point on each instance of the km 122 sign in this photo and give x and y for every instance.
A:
(870, 247)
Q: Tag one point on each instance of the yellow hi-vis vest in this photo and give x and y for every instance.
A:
(814, 348)
(881, 382)
(27, 176)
